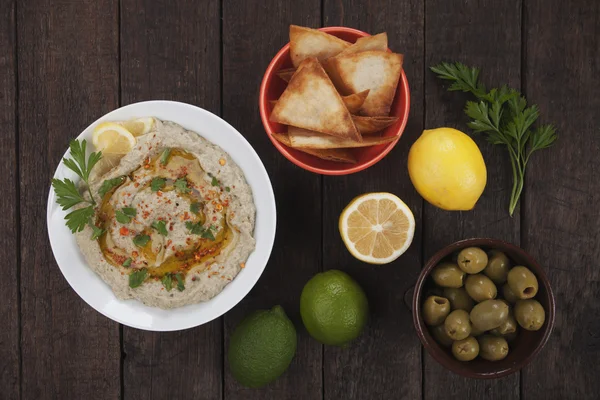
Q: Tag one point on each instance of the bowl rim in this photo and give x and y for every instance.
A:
(132, 312)
(263, 106)
(484, 242)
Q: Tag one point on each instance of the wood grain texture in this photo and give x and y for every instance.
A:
(68, 77)
(562, 221)
(385, 361)
(253, 32)
(170, 50)
(486, 34)
(9, 307)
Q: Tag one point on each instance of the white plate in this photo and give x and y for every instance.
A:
(133, 313)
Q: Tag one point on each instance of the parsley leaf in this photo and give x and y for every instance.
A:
(96, 232)
(164, 158)
(181, 184)
(67, 194)
(214, 182)
(78, 219)
(195, 207)
(157, 183)
(180, 282)
(161, 227)
(127, 263)
(129, 211)
(167, 282)
(207, 234)
(141, 240)
(110, 184)
(125, 214)
(136, 278)
(227, 189)
(78, 163)
(198, 229)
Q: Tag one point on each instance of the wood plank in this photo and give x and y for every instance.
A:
(170, 50)
(561, 225)
(68, 77)
(385, 362)
(9, 244)
(253, 32)
(486, 34)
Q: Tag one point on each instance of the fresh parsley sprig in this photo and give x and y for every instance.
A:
(69, 196)
(503, 116)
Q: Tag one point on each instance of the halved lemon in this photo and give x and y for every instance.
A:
(139, 126)
(112, 138)
(377, 228)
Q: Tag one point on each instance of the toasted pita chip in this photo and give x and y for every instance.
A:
(306, 43)
(377, 42)
(370, 125)
(337, 155)
(310, 101)
(353, 102)
(286, 74)
(305, 139)
(378, 71)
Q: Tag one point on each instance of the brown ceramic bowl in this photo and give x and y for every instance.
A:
(524, 347)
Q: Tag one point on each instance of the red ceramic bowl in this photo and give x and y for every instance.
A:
(272, 87)
(522, 349)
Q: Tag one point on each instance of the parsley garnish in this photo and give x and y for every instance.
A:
(109, 184)
(180, 282)
(195, 207)
(167, 282)
(96, 232)
(136, 278)
(125, 215)
(164, 158)
(127, 262)
(161, 227)
(141, 240)
(181, 184)
(214, 182)
(198, 229)
(502, 114)
(67, 193)
(157, 183)
(227, 189)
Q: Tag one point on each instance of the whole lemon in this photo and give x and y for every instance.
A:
(447, 169)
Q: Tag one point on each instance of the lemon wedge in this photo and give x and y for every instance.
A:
(112, 138)
(139, 126)
(377, 228)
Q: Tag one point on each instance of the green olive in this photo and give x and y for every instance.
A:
(472, 260)
(440, 335)
(475, 331)
(465, 349)
(489, 314)
(507, 327)
(480, 287)
(458, 325)
(492, 348)
(448, 274)
(530, 314)
(508, 294)
(459, 299)
(522, 282)
(435, 310)
(497, 267)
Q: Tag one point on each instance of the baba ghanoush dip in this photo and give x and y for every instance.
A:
(177, 217)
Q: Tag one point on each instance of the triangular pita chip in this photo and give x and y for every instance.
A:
(370, 125)
(377, 42)
(306, 42)
(310, 101)
(353, 102)
(337, 155)
(378, 71)
(286, 74)
(305, 139)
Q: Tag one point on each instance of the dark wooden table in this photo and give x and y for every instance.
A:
(65, 63)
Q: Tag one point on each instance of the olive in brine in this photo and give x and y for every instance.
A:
(435, 310)
(492, 348)
(459, 299)
(448, 275)
(466, 349)
(497, 267)
(440, 335)
(508, 294)
(530, 314)
(458, 325)
(507, 327)
(522, 282)
(472, 260)
(480, 288)
(489, 314)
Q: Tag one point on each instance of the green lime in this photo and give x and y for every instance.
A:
(262, 347)
(334, 308)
